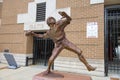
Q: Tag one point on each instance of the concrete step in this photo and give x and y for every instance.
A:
(74, 65)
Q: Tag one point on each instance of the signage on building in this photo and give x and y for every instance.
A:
(36, 26)
(92, 30)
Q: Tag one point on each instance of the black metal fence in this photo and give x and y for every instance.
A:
(42, 50)
(112, 39)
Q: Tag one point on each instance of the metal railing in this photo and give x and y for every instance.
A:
(112, 39)
(42, 50)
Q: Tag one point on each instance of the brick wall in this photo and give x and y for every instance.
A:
(82, 12)
(12, 34)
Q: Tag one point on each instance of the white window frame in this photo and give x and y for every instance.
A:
(29, 19)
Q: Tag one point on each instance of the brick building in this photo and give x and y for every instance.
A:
(87, 30)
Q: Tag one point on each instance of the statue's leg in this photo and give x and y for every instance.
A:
(70, 46)
(55, 53)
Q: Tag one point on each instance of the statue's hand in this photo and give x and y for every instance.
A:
(28, 33)
(62, 13)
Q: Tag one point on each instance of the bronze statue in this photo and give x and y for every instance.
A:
(57, 34)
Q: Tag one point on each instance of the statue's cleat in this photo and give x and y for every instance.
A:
(46, 73)
(90, 68)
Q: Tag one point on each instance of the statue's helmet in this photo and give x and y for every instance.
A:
(51, 20)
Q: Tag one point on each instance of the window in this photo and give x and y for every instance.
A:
(41, 11)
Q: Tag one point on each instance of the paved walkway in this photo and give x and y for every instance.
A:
(27, 73)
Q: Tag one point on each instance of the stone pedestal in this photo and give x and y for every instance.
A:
(61, 76)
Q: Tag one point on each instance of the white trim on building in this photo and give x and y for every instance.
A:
(29, 19)
(96, 1)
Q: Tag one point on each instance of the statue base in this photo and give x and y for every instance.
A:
(61, 76)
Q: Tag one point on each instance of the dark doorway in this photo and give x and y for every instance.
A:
(42, 50)
(112, 39)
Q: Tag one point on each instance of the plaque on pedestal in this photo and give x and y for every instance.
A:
(61, 76)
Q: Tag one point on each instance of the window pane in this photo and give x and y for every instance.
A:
(41, 10)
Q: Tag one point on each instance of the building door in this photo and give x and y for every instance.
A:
(42, 50)
(112, 39)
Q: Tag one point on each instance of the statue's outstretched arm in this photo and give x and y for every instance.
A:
(36, 35)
